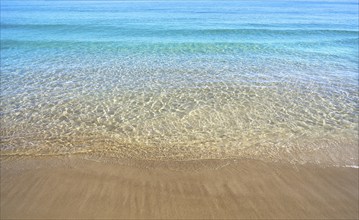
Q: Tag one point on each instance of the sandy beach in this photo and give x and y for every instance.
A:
(71, 187)
(179, 109)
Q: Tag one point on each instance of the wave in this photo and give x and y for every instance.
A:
(125, 30)
(192, 46)
(325, 50)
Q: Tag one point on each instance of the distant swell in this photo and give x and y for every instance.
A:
(162, 31)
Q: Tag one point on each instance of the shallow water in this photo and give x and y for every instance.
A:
(181, 79)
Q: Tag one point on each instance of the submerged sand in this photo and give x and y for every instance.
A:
(72, 187)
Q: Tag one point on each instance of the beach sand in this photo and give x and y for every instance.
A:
(71, 187)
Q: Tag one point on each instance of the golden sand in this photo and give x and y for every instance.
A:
(72, 187)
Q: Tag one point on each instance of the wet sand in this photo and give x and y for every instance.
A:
(72, 187)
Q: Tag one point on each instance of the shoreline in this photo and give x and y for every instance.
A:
(73, 187)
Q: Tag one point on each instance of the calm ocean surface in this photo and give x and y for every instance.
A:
(181, 80)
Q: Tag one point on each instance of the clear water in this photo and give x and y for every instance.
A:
(181, 80)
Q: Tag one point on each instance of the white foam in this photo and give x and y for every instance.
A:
(352, 166)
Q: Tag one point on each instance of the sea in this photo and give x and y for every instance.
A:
(181, 80)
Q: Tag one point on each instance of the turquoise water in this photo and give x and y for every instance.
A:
(181, 80)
